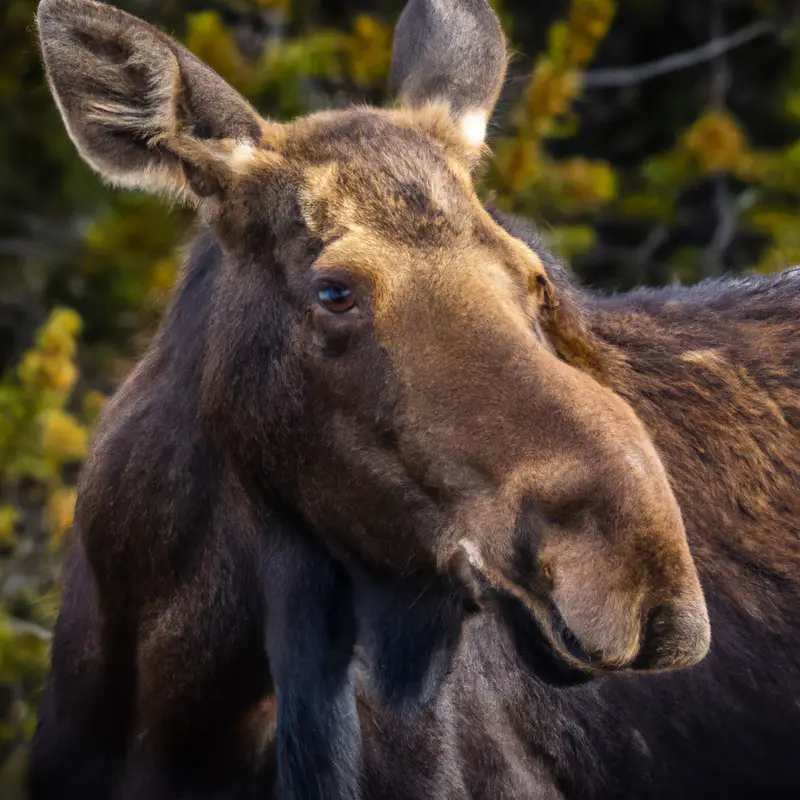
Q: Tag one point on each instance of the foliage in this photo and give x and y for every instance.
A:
(530, 180)
(634, 179)
(39, 441)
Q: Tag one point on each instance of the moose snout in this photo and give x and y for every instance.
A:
(673, 636)
(607, 571)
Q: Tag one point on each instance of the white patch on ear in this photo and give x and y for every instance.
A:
(473, 553)
(473, 126)
(241, 156)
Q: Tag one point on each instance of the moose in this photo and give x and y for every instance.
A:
(391, 508)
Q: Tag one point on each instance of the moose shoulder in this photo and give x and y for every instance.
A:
(390, 508)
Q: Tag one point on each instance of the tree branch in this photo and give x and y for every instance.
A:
(643, 254)
(23, 628)
(713, 262)
(724, 233)
(629, 76)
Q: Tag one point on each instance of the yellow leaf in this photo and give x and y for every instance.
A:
(716, 143)
(209, 39)
(92, 406)
(792, 104)
(570, 240)
(9, 517)
(57, 337)
(549, 94)
(589, 21)
(368, 52)
(579, 184)
(61, 374)
(60, 513)
(62, 437)
(50, 366)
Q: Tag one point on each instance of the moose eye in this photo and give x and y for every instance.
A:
(335, 298)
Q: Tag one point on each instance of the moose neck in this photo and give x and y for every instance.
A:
(310, 628)
(310, 637)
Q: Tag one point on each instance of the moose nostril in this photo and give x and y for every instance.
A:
(673, 636)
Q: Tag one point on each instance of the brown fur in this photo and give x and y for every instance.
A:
(473, 473)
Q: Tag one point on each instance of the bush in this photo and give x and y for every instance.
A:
(671, 172)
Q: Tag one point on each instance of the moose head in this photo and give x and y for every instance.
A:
(379, 359)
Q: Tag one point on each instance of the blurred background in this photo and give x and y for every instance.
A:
(653, 141)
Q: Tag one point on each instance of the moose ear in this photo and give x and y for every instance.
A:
(142, 110)
(450, 52)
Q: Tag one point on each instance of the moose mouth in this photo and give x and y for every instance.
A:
(565, 639)
(540, 617)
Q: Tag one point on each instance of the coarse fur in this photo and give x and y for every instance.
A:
(445, 543)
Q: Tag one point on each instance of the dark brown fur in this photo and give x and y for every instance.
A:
(379, 552)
